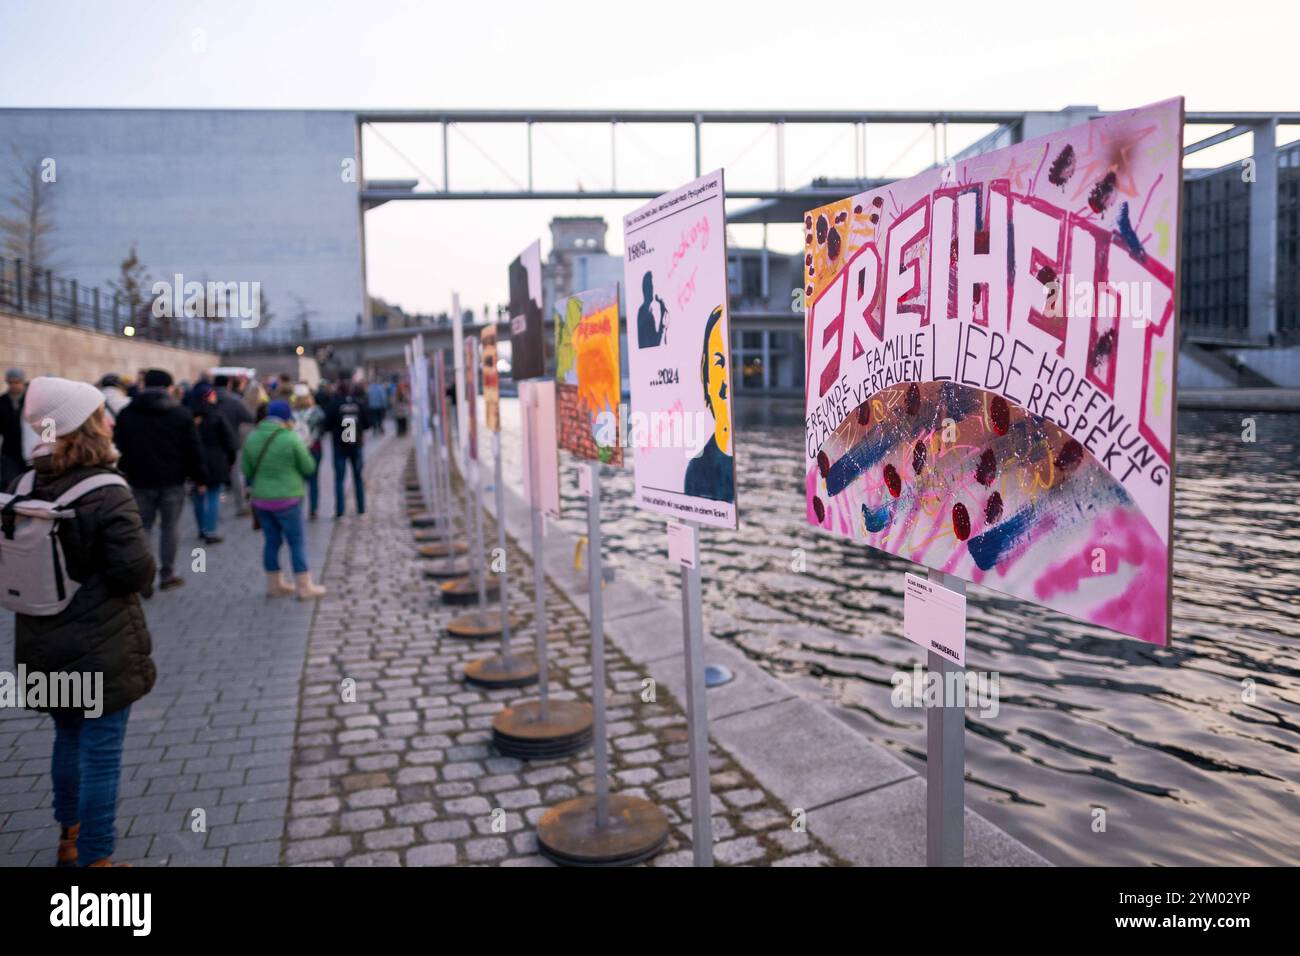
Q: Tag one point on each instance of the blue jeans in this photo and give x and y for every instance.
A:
(85, 768)
(313, 483)
(343, 457)
(207, 509)
(279, 527)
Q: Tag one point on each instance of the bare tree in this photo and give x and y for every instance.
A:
(303, 315)
(132, 285)
(27, 227)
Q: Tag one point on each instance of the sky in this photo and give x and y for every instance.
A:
(383, 54)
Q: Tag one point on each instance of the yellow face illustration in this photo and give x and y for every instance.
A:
(715, 358)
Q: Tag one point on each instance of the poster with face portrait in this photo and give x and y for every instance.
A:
(992, 358)
(527, 344)
(491, 380)
(679, 354)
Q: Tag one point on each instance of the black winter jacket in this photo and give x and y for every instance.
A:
(103, 630)
(219, 442)
(343, 409)
(158, 442)
(234, 410)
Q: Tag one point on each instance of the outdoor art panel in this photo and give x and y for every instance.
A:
(541, 447)
(991, 353)
(527, 342)
(471, 395)
(679, 354)
(588, 381)
(491, 379)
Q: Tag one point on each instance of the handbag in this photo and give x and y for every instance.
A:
(257, 524)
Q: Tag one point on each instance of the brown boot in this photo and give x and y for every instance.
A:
(68, 845)
(306, 590)
(277, 585)
(108, 861)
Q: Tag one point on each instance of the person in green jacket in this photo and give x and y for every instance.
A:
(275, 462)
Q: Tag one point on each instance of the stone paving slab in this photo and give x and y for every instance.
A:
(886, 827)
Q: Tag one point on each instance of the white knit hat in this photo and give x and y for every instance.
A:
(65, 403)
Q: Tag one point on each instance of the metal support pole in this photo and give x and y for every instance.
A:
(698, 120)
(446, 165)
(530, 155)
(539, 572)
(444, 485)
(613, 156)
(504, 598)
(945, 762)
(479, 550)
(1262, 238)
(595, 584)
(697, 715)
(780, 155)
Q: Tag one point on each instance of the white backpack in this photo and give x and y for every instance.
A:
(33, 573)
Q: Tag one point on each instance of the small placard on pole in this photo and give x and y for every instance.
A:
(934, 618)
(682, 547)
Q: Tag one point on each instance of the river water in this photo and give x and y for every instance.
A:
(1192, 752)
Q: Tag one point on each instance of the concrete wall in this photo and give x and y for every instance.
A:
(1280, 365)
(44, 348)
(221, 195)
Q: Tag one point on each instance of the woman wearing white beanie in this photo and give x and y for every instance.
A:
(102, 632)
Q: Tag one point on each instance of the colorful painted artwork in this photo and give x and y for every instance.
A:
(991, 353)
(527, 342)
(541, 451)
(491, 380)
(679, 360)
(588, 383)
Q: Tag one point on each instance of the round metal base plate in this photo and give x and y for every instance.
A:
(465, 590)
(423, 519)
(520, 731)
(437, 547)
(519, 670)
(478, 624)
(441, 570)
(434, 536)
(635, 832)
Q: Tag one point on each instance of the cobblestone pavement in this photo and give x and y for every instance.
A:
(284, 771)
(217, 732)
(406, 774)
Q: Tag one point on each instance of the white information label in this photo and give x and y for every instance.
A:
(935, 618)
(681, 544)
(584, 481)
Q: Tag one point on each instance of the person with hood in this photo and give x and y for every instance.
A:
(102, 631)
(160, 450)
(275, 461)
(220, 444)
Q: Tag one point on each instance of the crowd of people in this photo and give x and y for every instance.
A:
(140, 447)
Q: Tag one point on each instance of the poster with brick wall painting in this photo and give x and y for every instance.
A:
(588, 383)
